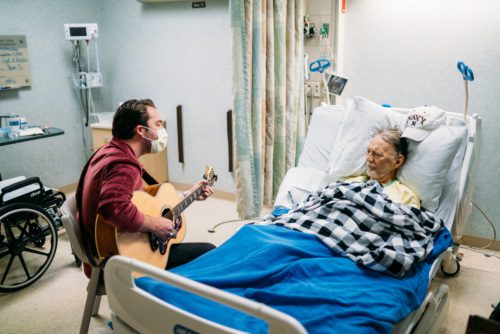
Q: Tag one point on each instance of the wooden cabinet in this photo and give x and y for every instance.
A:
(155, 164)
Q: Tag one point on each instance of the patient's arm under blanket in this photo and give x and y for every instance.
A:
(358, 220)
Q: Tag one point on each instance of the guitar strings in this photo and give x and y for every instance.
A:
(170, 214)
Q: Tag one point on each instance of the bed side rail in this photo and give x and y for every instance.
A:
(468, 174)
(466, 186)
(429, 316)
(146, 313)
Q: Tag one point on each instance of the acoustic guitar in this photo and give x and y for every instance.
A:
(157, 200)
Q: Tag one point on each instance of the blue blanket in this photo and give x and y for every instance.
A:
(297, 274)
(358, 220)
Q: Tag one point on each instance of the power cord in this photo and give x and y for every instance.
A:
(212, 230)
(487, 254)
(492, 226)
(479, 249)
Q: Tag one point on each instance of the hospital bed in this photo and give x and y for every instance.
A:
(155, 303)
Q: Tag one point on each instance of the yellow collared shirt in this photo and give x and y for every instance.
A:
(395, 190)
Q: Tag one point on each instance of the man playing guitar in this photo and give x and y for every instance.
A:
(114, 173)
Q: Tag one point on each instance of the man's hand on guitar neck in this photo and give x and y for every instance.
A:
(160, 226)
(206, 192)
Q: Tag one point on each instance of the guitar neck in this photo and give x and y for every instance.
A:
(186, 201)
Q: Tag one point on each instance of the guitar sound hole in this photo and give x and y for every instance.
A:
(167, 213)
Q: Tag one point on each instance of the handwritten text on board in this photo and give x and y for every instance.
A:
(14, 66)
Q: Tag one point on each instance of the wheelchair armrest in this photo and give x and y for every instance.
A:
(21, 184)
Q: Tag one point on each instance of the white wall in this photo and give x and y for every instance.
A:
(175, 55)
(169, 52)
(404, 52)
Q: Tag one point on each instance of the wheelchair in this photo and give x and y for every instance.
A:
(30, 217)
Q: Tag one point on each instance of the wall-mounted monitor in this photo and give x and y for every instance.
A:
(80, 31)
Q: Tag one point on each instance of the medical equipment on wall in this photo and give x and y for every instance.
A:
(309, 28)
(333, 84)
(324, 31)
(86, 75)
(83, 31)
(468, 75)
(320, 65)
(317, 39)
(87, 32)
(336, 84)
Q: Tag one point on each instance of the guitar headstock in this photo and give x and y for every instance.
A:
(210, 175)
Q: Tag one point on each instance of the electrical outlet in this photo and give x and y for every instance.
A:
(308, 88)
(84, 80)
(313, 88)
(94, 79)
(316, 91)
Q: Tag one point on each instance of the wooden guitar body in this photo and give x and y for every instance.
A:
(156, 201)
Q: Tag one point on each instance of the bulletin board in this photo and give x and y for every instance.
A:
(14, 66)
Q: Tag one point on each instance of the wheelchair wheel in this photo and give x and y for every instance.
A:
(28, 243)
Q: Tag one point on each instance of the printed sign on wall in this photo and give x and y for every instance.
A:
(14, 67)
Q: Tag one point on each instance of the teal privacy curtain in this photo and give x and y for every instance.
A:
(268, 97)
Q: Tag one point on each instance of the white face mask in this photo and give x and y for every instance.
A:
(160, 143)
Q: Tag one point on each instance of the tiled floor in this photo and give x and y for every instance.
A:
(472, 291)
(54, 304)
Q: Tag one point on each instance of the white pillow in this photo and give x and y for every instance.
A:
(321, 137)
(450, 194)
(429, 161)
(363, 119)
(298, 183)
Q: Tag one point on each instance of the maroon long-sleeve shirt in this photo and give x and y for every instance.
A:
(112, 176)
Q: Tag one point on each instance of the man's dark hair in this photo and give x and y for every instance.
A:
(128, 115)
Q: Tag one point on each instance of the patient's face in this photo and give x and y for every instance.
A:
(381, 160)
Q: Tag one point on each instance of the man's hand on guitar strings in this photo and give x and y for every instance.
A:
(206, 192)
(162, 227)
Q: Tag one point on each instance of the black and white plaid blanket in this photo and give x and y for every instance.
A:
(357, 220)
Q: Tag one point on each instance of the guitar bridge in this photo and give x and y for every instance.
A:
(157, 243)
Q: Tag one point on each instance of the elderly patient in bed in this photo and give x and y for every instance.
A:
(372, 219)
(386, 153)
